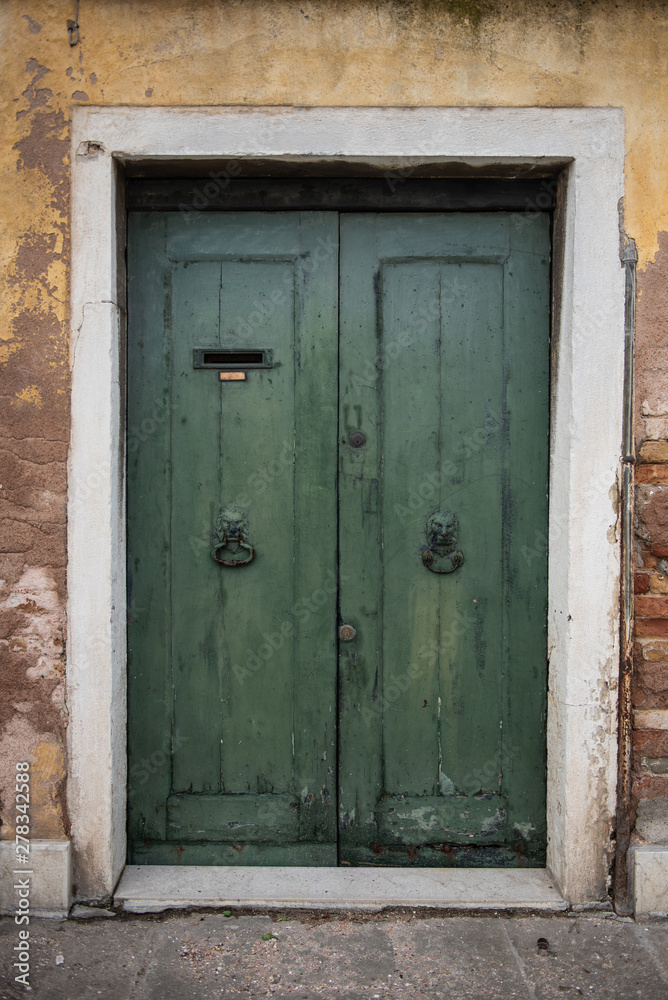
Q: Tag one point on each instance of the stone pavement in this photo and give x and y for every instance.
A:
(178, 956)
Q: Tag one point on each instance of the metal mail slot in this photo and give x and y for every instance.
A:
(225, 359)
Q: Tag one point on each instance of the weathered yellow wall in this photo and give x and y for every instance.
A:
(246, 52)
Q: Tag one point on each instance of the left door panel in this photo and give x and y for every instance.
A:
(232, 669)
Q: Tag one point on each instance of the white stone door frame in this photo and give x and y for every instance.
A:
(586, 433)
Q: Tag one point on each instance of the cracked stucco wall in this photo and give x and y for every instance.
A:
(258, 52)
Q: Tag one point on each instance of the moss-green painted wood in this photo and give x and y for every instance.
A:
(270, 817)
(237, 736)
(444, 362)
(232, 698)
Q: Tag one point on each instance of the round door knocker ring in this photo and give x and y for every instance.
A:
(247, 556)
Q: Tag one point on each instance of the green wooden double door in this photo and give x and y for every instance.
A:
(337, 505)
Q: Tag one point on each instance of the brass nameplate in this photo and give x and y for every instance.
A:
(232, 376)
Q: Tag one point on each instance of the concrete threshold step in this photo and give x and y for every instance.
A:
(152, 888)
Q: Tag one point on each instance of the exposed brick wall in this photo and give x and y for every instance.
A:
(650, 680)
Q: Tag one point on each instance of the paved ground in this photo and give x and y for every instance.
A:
(178, 957)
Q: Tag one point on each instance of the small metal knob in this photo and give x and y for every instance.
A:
(347, 632)
(356, 439)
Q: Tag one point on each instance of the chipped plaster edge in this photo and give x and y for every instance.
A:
(583, 614)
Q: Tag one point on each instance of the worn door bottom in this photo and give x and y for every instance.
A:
(153, 888)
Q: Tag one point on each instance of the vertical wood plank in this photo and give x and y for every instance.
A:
(195, 620)
(148, 485)
(257, 468)
(472, 456)
(411, 404)
(360, 540)
(527, 335)
(315, 522)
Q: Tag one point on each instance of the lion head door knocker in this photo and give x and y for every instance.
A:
(441, 554)
(231, 544)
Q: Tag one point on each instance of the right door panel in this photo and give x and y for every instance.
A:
(444, 367)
